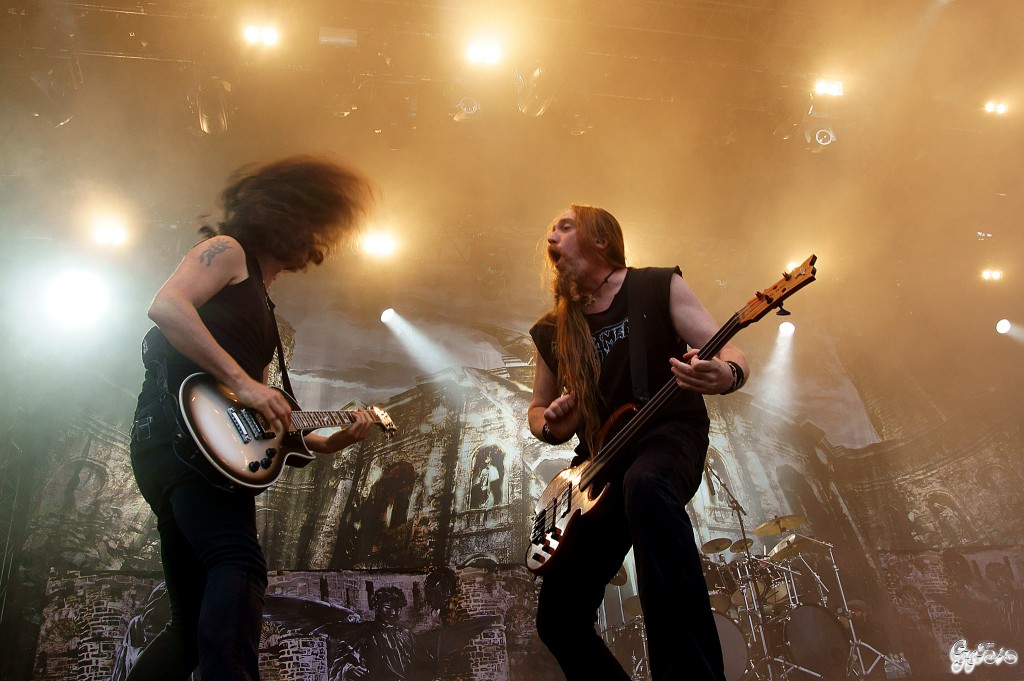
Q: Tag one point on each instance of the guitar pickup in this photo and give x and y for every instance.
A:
(255, 424)
(236, 420)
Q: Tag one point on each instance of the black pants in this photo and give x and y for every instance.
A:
(649, 513)
(214, 567)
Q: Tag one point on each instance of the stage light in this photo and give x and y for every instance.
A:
(997, 108)
(822, 136)
(992, 275)
(379, 244)
(484, 51)
(467, 107)
(793, 265)
(536, 90)
(263, 35)
(387, 315)
(76, 299)
(1003, 326)
(832, 88)
(108, 230)
(787, 329)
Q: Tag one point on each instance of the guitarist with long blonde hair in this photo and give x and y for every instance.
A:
(584, 373)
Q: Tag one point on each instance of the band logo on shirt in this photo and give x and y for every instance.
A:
(608, 336)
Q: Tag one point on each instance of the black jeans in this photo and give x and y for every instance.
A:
(214, 567)
(649, 512)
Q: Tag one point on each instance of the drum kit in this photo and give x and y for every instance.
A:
(776, 612)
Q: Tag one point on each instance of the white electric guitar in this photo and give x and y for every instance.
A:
(237, 440)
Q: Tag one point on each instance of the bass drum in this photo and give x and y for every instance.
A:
(734, 647)
(812, 637)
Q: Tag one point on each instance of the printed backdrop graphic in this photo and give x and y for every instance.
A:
(471, 623)
(415, 543)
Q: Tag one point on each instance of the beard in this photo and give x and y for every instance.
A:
(567, 283)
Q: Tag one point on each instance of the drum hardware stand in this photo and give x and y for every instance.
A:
(754, 605)
(855, 663)
(822, 589)
(641, 665)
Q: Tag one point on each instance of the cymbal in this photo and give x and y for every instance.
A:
(741, 545)
(620, 577)
(788, 547)
(713, 546)
(778, 525)
(631, 606)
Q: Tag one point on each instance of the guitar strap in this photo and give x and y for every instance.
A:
(285, 381)
(637, 335)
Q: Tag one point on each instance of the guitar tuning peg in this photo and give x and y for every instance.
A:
(783, 312)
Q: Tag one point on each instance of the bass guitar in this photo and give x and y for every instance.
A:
(578, 490)
(237, 440)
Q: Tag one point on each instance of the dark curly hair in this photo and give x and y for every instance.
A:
(295, 209)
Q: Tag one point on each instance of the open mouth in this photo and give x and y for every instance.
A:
(554, 255)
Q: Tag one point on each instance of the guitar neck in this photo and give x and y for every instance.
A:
(758, 306)
(312, 420)
(612, 449)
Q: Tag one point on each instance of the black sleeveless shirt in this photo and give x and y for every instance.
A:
(687, 415)
(240, 319)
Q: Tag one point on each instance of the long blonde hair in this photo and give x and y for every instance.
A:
(599, 235)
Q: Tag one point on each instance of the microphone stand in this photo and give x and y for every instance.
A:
(758, 627)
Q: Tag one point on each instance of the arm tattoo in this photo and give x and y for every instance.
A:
(211, 252)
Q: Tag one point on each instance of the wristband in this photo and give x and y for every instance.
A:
(545, 434)
(738, 378)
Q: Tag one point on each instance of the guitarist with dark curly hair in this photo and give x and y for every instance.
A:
(612, 333)
(214, 315)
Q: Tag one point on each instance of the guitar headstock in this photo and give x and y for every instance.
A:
(772, 297)
(384, 421)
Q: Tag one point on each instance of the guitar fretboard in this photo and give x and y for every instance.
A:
(311, 420)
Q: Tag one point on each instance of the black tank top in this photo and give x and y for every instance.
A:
(609, 331)
(239, 318)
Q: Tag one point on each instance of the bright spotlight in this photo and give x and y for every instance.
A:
(263, 35)
(387, 315)
(109, 231)
(787, 329)
(76, 299)
(379, 244)
(793, 265)
(833, 88)
(998, 108)
(992, 275)
(484, 51)
(1003, 326)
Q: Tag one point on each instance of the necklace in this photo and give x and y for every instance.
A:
(589, 299)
